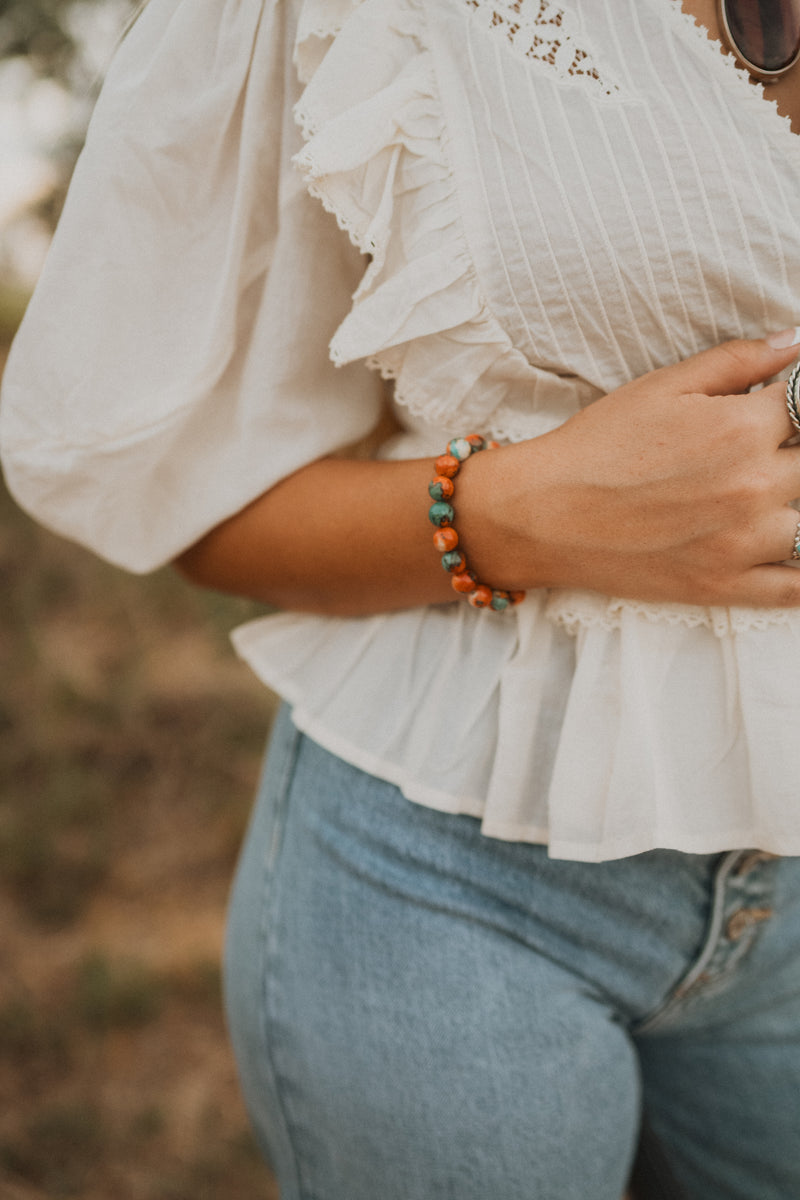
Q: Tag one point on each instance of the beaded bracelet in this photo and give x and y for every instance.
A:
(441, 514)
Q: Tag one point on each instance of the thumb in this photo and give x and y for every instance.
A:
(733, 367)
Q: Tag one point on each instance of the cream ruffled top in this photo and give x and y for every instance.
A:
(555, 197)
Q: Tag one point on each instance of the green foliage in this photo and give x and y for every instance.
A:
(53, 850)
(36, 29)
(58, 1149)
(130, 741)
(85, 736)
(44, 33)
(39, 30)
(148, 1123)
(117, 995)
(30, 1039)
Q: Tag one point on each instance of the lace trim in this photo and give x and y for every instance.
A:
(423, 407)
(305, 163)
(320, 22)
(538, 29)
(575, 615)
(503, 424)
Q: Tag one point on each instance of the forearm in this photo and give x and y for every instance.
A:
(339, 536)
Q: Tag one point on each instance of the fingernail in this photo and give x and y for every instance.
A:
(784, 339)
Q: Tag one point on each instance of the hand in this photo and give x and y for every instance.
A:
(675, 487)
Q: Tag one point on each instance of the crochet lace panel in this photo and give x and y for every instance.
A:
(539, 30)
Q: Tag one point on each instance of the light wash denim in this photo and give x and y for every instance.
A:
(423, 1013)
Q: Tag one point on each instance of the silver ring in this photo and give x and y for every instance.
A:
(796, 548)
(793, 396)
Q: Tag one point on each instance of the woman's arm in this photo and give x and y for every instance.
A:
(673, 488)
(339, 536)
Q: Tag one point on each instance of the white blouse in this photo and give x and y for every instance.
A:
(555, 196)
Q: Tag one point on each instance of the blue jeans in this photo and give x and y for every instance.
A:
(423, 1013)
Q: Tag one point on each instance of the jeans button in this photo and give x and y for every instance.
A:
(753, 858)
(743, 918)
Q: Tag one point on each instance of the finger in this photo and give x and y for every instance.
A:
(732, 367)
(770, 587)
(785, 474)
(769, 403)
(779, 536)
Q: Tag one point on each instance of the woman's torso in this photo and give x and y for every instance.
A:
(566, 196)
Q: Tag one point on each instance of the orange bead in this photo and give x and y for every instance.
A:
(464, 582)
(445, 539)
(446, 464)
(516, 597)
(481, 597)
(441, 487)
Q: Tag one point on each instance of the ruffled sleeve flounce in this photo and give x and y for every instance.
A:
(376, 156)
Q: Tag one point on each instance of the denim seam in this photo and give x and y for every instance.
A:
(267, 940)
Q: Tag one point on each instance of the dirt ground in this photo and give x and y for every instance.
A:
(130, 741)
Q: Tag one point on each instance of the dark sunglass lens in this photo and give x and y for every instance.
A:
(765, 32)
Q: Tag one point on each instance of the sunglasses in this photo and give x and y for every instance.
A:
(764, 35)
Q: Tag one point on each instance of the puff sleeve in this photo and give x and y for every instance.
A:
(173, 363)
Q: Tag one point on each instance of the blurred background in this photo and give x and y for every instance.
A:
(130, 742)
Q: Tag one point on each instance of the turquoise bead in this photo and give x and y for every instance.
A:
(435, 491)
(459, 448)
(441, 513)
(453, 560)
(499, 602)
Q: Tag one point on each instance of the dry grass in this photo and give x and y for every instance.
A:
(130, 740)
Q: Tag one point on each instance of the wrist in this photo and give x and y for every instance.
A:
(500, 495)
(464, 580)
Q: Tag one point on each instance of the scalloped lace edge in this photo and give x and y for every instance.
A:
(305, 163)
(498, 425)
(322, 31)
(574, 618)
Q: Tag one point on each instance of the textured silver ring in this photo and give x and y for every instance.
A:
(796, 547)
(793, 396)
